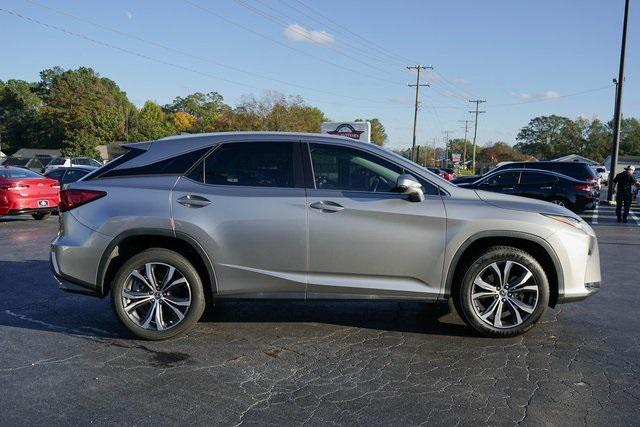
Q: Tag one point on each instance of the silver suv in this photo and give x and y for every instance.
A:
(176, 224)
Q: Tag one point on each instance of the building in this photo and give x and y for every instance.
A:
(29, 153)
(576, 158)
(623, 162)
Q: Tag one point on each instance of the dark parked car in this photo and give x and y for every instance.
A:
(544, 185)
(437, 171)
(67, 175)
(32, 164)
(576, 170)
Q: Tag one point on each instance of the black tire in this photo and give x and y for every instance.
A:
(464, 302)
(183, 267)
(39, 216)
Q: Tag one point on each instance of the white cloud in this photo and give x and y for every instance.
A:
(402, 100)
(299, 33)
(544, 96)
(523, 96)
(129, 14)
(549, 95)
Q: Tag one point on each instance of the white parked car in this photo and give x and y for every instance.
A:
(67, 162)
(602, 173)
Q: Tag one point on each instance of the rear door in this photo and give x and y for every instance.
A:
(537, 185)
(366, 241)
(504, 183)
(245, 204)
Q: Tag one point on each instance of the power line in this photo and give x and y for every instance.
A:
(280, 22)
(415, 111)
(475, 131)
(359, 50)
(553, 98)
(346, 29)
(140, 55)
(299, 51)
(466, 128)
(446, 146)
(200, 58)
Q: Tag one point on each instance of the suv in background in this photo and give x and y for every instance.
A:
(66, 162)
(182, 222)
(577, 170)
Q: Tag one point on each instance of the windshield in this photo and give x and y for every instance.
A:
(18, 174)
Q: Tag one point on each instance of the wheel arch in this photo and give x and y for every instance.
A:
(535, 245)
(135, 241)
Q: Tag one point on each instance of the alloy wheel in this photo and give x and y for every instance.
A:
(156, 296)
(504, 294)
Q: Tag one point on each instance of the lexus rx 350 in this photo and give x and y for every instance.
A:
(179, 223)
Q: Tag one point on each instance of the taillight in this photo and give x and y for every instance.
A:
(70, 199)
(56, 186)
(13, 187)
(583, 187)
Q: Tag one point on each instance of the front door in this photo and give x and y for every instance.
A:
(364, 239)
(245, 204)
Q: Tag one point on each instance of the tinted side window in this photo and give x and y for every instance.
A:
(73, 175)
(251, 164)
(506, 179)
(129, 155)
(537, 178)
(55, 174)
(177, 165)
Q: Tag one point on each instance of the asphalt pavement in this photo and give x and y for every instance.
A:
(65, 359)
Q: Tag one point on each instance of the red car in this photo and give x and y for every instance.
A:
(25, 192)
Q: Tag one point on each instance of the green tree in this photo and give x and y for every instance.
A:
(548, 137)
(151, 123)
(22, 122)
(378, 132)
(86, 108)
(205, 107)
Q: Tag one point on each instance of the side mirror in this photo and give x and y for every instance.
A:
(407, 184)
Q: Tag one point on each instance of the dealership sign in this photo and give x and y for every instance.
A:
(355, 130)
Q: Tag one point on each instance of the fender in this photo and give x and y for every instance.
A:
(161, 232)
(512, 234)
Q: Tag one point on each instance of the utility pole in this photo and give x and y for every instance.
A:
(433, 141)
(466, 128)
(616, 118)
(415, 113)
(475, 131)
(446, 146)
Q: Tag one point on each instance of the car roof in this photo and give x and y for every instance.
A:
(529, 170)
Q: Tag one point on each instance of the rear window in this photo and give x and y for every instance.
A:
(18, 174)
(574, 170)
(56, 162)
(177, 165)
(13, 161)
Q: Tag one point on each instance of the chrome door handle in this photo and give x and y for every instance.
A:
(546, 188)
(507, 188)
(326, 206)
(193, 201)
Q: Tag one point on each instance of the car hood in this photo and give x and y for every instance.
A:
(506, 201)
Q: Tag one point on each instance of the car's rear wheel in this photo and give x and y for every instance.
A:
(158, 294)
(503, 292)
(39, 216)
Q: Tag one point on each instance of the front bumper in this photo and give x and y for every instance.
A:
(579, 259)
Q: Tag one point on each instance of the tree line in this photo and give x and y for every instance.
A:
(77, 110)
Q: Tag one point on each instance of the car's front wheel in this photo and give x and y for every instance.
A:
(503, 292)
(158, 294)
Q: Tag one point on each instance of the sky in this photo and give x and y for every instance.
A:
(348, 58)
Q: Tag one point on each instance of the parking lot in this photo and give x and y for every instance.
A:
(66, 359)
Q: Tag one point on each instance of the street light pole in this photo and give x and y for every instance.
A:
(617, 115)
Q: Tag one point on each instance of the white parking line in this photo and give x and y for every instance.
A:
(594, 216)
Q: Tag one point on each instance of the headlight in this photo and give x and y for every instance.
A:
(569, 220)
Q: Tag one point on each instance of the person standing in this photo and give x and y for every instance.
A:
(624, 181)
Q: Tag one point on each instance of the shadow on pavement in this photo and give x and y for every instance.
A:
(40, 305)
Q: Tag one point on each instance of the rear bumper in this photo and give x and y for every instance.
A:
(70, 284)
(31, 211)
